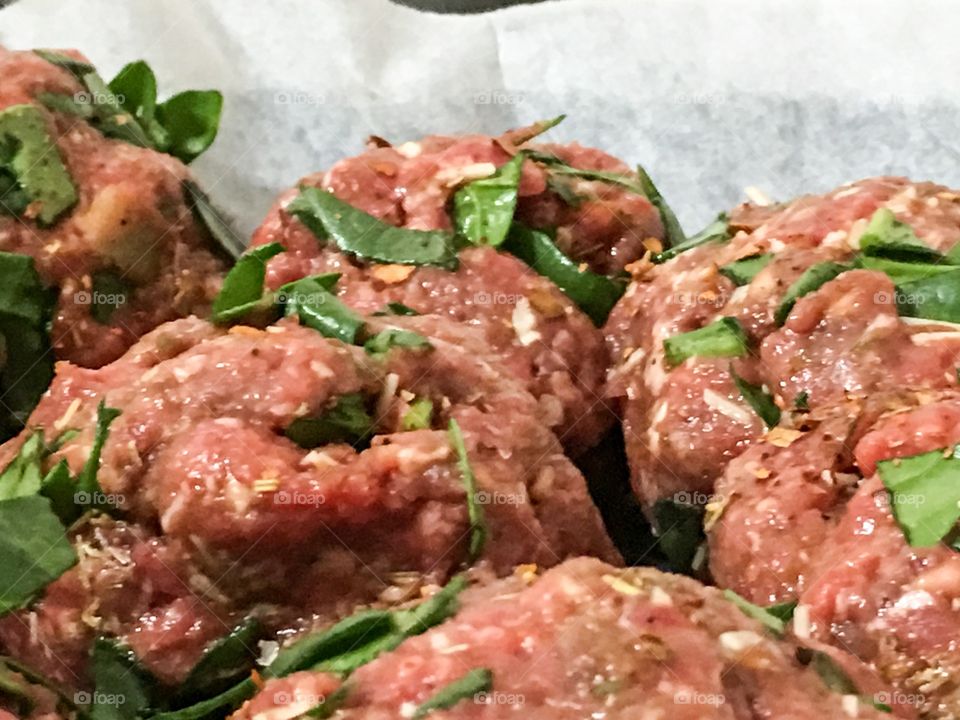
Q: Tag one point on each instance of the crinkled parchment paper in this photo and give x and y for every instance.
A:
(710, 96)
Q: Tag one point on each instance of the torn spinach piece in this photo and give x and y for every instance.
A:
(242, 290)
(932, 298)
(810, 281)
(478, 680)
(228, 240)
(346, 422)
(312, 301)
(383, 341)
(758, 399)
(123, 690)
(886, 237)
(743, 271)
(678, 527)
(673, 232)
(478, 525)
(483, 209)
(222, 664)
(716, 232)
(924, 494)
(724, 337)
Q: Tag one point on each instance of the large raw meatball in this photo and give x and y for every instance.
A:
(541, 334)
(200, 462)
(806, 517)
(684, 421)
(130, 235)
(584, 641)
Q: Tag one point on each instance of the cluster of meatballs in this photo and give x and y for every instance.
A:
(341, 479)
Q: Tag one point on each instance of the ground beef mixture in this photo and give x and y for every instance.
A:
(222, 513)
(543, 337)
(585, 640)
(131, 221)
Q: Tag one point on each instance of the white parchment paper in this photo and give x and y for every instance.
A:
(710, 95)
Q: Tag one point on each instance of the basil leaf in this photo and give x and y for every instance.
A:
(528, 133)
(721, 338)
(109, 293)
(242, 289)
(382, 342)
(743, 271)
(22, 477)
(476, 681)
(89, 494)
(227, 239)
(903, 272)
(757, 398)
(223, 663)
(802, 401)
(67, 104)
(368, 238)
(678, 527)
(26, 307)
(34, 550)
(783, 611)
(932, 298)
(59, 487)
(593, 293)
(191, 120)
(312, 302)
(110, 117)
(122, 688)
(483, 209)
(924, 494)
(346, 422)
(673, 232)
(135, 88)
(478, 526)
(418, 417)
(811, 280)
(217, 707)
(717, 231)
(35, 163)
(776, 623)
(887, 237)
(556, 167)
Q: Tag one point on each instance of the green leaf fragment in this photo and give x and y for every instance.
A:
(483, 209)
(758, 399)
(478, 527)
(924, 494)
(742, 272)
(476, 681)
(810, 281)
(346, 422)
(312, 301)
(724, 337)
(242, 290)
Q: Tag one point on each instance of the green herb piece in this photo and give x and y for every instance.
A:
(396, 308)
(721, 338)
(346, 422)
(109, 116)
(88, 490)
(931, 298)
(214, 708)
(34, 550)
(29, 156)
(483, 209)
(122, 687)
(67, 104)
(679, 530)
(811, 280)
(312, 301)
(904, 272)
(757, 398)
(924, 494)
(22, 477)
(802, 401)
(837, 680)
(476, 681)
(222, 664)
(77, 68)
(226, 238)
(331, 703)
(593, 293)
(382, 342)
(368, 238)
(242, 289)
(59, 487)
(887, 237)
(559, 168)
(528, 133)
(673, 232)
(109, 294)
(478, 527)
(191, 120)
(418, 417)
(716, 232)
(135, 88)
(774, 618)
(20, 681)
(743, 271)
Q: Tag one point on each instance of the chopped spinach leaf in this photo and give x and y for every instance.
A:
(476, 681)
(483, 209)
(77, 68)
(904, 272)
(718, 231)
(312, 301)
(743, 271)
(887, 237)
(109, 294)
(525, 134)
(802, 401)
(757, 398)
(478, 526)
(396, 308)
(593, 293)
(810, 281)
(191, 120)
(924, 494)
(222, 664)
(122, 687)
(330, 704)
(30, 160)
(369, 238)
(22, 477)
(680, 536)
(89, 494)
(346, 422)
(242, 289)
(721, 338)
(932, 298)
(34, 550)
